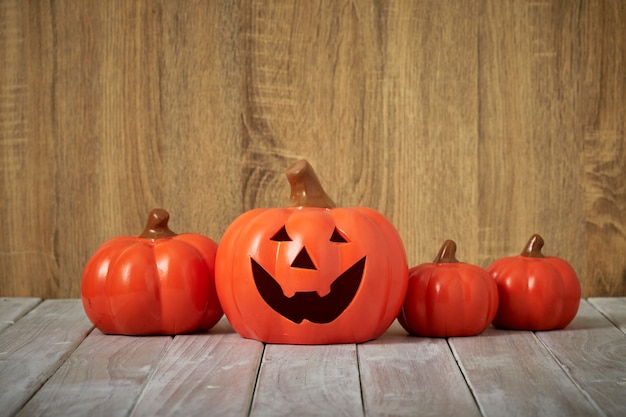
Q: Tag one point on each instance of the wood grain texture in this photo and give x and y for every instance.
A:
(605, 149)
(27, 171)
(204, 374)
(402, 375)
(613, 309)
(308, 381)
(102, 377)
(482, 122)
(593, 352)
(574, 371)
(12, 309)
(512, 373)
(32, 349)
(530, 175)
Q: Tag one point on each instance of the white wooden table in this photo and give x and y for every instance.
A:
(53, 362)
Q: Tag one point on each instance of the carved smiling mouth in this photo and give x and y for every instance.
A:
(309, 305)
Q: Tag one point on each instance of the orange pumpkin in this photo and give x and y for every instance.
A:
(311, 273)
(448, 298)
(158, 282)
(536, 292)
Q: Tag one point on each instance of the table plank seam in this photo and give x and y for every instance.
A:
(586, 354)
(470, 386)
(18, 316)
(607, 315)
(256, 380)
(53, 370)
(358, 368)
(148, 380)
(583, 391)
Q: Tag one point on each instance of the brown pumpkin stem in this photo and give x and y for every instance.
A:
(306, 189)
(447, 253)
(533, 247)
(156, 228)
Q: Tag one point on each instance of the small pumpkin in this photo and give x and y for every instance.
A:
(536, 292)
(156, 283)
(448, 298)
(311, 273)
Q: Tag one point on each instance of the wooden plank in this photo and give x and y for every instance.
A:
(420, 123)
(365, 92)
(118, 107)
(308, 381)
(529, 160)
(512, 373)
(197, 75)
(401, 374)
(12, 309)
(204, 374)
(602, 65)
(33, 251)
(33, 348)
(102, 377)
(505, 115)
(613, 308)
(593, 352)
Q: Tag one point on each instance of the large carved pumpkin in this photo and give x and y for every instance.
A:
(311, 273)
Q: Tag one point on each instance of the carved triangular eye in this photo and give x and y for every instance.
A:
(338, 237)
(281, 236)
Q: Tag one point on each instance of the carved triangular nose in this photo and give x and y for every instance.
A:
(303, 260)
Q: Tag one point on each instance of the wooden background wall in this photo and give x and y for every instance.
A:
(481, 121)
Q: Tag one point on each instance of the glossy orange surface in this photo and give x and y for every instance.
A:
(311, 273)
(139, 286)
(536, 292)
(448, 298)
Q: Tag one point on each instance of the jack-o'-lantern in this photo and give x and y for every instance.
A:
(311, 273)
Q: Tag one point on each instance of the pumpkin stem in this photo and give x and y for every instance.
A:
(447, 253)
(156, 228)
(533, 247)
(306, 189)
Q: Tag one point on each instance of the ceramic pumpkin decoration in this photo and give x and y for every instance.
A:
(448, 298)
(158, 282)
(311, 273)
(536, 292)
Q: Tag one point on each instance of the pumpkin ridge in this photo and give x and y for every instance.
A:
(255, 250)
(182, 246)
(137, 245)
